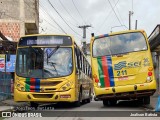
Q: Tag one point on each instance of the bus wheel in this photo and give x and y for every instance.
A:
(140, 100)
(78, 103)
(34, 105)
(112, 102)
(146, 100)
(105, 102)
(90, 97)
(88, 100)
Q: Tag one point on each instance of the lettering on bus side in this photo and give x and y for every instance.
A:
(133, 64)
(124, 64)
(146, 62)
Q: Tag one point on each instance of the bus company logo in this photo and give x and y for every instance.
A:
(146, 62)
(120, 65)
(126, 65)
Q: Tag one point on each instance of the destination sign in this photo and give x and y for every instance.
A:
(45, 40)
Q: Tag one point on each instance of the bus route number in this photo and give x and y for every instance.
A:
(121, 72)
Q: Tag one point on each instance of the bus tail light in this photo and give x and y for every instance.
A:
(149, 73)
(96, 80)
(150, 68)
(95, 77)
(149, 79)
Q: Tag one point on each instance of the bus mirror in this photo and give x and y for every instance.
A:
(77, 52)
(77, 71)
(92, 34)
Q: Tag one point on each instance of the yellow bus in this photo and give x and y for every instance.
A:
(122, 67)
(51, 68)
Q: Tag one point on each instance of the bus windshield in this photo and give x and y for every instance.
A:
(119, 44)
(44, 62)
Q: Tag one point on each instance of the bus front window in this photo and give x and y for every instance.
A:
(57, 62)
(36, 62)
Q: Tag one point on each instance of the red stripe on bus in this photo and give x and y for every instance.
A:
(105, 71)
(32, 84)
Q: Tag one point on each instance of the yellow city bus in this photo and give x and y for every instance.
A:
(51, 68)
(122, 67)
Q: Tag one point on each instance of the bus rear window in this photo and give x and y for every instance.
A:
(119, 44)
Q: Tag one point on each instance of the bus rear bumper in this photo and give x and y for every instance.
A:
(126, 92)
(126, 95)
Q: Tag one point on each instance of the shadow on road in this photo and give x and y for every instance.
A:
(62, 105)
(126, 104)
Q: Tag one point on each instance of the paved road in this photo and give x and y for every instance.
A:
(92, 111)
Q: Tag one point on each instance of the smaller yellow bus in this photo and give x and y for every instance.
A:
(51, 68)
(122, 67)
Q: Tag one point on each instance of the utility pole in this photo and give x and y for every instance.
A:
(136, 25)
(130, 13)
(84, 37)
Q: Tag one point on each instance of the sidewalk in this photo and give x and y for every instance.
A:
(153, 100)
(8, 105)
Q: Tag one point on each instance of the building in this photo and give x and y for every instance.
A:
(18, 18)
(154, 41)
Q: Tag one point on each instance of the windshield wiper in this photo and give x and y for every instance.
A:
(52, 53)
(53, 65)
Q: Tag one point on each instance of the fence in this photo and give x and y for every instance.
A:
(5, 86)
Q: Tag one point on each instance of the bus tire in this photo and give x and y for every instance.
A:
(105, 102)
(146, 100)
(112, 102)
(90, 97)
(34, 105)
(78, 103)
(140, 100)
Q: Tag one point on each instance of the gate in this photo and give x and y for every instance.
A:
(5, 86)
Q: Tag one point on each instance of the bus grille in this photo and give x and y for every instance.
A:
(50, 83)
(42, 95)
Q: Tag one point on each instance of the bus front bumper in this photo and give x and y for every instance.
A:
(65, 96)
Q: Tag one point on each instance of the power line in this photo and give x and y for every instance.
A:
(121, 17)
(108, 16)
(55, 21)
(114, 12)
(68, 12)
(50, 23)
(78, 11)
(48, 20)
(63, 18)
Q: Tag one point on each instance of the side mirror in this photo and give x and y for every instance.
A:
(77, 72)
(77, 51)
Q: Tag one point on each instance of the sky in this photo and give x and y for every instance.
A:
(104, 16)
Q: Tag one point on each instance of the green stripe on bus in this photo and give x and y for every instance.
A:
(100, 71)
(27, 85)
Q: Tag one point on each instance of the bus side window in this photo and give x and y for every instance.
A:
(77, 59)
(81, 66)
(86, 67)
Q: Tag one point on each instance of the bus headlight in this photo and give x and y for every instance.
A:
(20, 87)
(66, 86)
